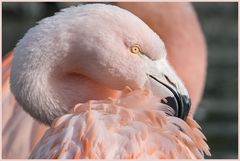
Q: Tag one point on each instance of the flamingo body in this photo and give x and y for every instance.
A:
(17, 122)
(133, 126)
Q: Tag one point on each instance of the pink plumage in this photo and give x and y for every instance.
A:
(132, 104)
(134, 126)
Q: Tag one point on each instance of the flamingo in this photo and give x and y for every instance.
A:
(65, 77)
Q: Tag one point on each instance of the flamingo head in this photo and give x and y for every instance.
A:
(91, 52)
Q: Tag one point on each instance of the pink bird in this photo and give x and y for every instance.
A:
(108, 55)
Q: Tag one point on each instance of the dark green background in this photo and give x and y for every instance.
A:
(218, 112)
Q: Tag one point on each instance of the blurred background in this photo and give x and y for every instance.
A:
(218, 111)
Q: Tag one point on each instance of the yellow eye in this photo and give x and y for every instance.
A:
(135, 50)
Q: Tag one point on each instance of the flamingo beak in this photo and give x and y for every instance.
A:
(165, 88)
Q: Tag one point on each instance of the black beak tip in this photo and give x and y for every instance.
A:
(186, 104)
(181, 105)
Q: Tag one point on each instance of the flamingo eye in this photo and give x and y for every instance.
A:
(135, 49)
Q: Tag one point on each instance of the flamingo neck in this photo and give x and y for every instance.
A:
(46, 91)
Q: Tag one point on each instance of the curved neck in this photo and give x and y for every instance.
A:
(45, 90)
